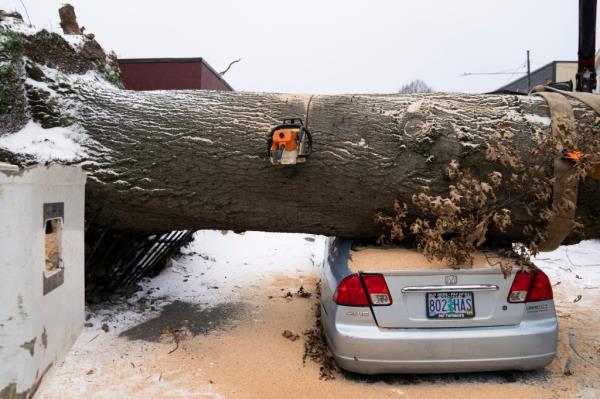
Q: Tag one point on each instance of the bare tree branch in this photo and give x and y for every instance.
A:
(415, 86)
(230, 64)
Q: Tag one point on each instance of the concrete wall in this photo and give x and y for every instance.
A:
(37, 328)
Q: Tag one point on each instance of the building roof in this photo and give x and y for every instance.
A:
(522, 81)
(174, 60)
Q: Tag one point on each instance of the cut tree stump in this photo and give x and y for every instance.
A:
(68, 20)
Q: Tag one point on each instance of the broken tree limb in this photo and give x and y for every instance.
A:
(160, 161)
(68, 20)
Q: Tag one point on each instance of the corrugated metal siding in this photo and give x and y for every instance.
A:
(170, 74)
(212, 81)
(161, 76)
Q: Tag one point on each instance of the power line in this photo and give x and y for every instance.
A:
(26, 12)
(523, 65)
(510, 71)
(505, 72)
(492, 73)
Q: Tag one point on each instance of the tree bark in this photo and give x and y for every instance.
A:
(196, 159)
(167, 160)
(68, 20)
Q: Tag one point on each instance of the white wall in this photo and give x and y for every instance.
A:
(36, 330)
(567, 71)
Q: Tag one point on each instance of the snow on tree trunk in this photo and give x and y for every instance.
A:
(167, 160)
(174, 160)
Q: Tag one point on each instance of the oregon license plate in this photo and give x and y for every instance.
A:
(450, 305)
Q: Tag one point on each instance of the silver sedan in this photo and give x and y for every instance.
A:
(387, 311)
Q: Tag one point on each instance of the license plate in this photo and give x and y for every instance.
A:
(450, 305)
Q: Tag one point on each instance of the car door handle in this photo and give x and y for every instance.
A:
(450, 288)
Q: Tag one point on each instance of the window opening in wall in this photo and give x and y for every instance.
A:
(53, 247)
(54, 275)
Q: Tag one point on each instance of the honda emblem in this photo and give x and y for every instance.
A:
(451, 279)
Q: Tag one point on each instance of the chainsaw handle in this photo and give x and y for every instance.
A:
(310, 143)
(293, 121)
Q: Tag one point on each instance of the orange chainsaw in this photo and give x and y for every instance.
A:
(289, 143)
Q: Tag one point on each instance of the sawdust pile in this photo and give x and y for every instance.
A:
(390, 258)
(315, 345)
(251, 359)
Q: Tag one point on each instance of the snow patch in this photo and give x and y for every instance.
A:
(18, 26)
(575, 270)
(537, 119)
(394, 114)
(531, 118)
(58, 143)
(76, 41)
(215, 268)
(215, 273)
(202, 139)
(361, 143)
(40, 85)
(414, 107)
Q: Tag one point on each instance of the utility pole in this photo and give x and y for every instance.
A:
(586, 56)
(528, 73)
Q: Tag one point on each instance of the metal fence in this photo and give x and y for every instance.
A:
(116, 259)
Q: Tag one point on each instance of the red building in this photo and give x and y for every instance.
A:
(170, 74)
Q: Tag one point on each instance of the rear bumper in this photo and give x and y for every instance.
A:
(369, 349)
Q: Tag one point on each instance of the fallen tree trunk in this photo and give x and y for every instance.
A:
(160, 161)
(173, 160)
(167, 161)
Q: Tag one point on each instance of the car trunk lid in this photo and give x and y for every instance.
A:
(416, 285)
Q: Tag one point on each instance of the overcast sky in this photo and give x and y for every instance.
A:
(320, 46)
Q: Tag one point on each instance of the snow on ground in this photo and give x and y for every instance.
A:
(16, 25)
(231, 289)
(574, 270)
(217, 267)
(19, 26)
(216, 271)
(58, 143)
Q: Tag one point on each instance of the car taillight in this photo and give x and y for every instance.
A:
(377, 289)
(520, 287)
(351, 291)
(541, 289)
(530, 287)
